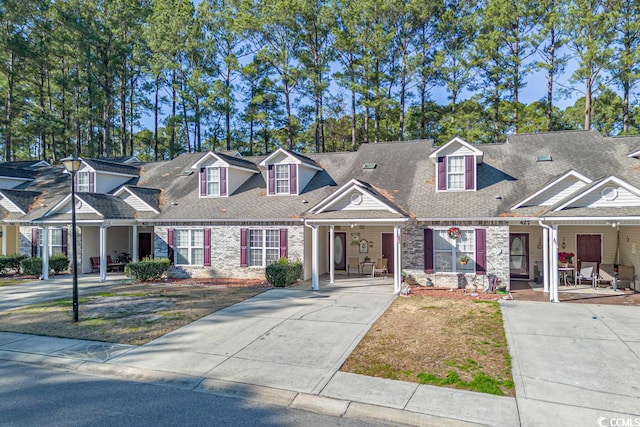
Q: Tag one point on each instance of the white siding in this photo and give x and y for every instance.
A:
(5, 203)
(135, 202)
(557, 192)
(344, 203)
(305, 175)
(10, 183)
(595, 199)
(106, 183)
(455, 150)
(235, 178)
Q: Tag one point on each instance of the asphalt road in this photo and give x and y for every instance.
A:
(33, 396)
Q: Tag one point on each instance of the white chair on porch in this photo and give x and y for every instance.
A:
(589, 272)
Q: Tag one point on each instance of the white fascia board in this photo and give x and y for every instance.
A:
(206, 156)
(364, 194)
(635, 153)
(123, 189)
(12, 204)
(456, 140)
(605, 181)
(15, 178)
(551, 184)
(354, 220)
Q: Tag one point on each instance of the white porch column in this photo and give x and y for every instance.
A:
(134, 245)
(45, 253)
(4, 239)
(397, 262)
(545, 258)
(103, 253)
(332, 264)
(315, 256)
(553, 296)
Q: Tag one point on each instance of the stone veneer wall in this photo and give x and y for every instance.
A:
(225, 249)
(497, 245)
(25, 244)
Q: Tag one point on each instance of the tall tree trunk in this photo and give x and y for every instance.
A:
(172, 139)
(197, 141)
(587, 104)
(8, 155)
(123, 110)
(227, 107)
(106, 118)
(132, 84)
(43, 109)
(52, 147)
(155, 117)
(287, 102)
(184, 116)
(550, 74)
(516, 79)
(403, 88)
(354, 142)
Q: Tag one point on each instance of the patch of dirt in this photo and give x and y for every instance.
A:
(451, 293)
(444, 334)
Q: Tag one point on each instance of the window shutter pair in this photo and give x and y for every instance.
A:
(206, 246)
(469, 173)
(480, 256)
(293, 179)
(203, 181)
(244, 247)
(65, 241)
(34, 241)
(92, 182)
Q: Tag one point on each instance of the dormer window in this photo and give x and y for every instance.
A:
(85, 181)
(213, 182)
(455, 173)
(282, 179)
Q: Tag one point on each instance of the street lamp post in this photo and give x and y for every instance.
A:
(72, 165)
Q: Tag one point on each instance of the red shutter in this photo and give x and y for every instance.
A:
(284, 243)
(428, 250)
(92, 182)
(481, 251)
(272, 179)
(243, 248)
(203, 182)
(293, 179)
(469, 172)
(223, 181)
(170, 244)
(442, 173)
(65, 241)
(207, 246)
(34, 242)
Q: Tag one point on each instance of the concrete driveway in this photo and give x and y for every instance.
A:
(574, 364)
(291, 338)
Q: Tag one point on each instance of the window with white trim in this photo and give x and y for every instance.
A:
(264, 247)
(455, 173)
(189, 247)
(55, 241)
(82, 181)
(282, 179)
(213, 181)
(448, 251)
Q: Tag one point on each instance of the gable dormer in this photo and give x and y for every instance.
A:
(13, 177)
(220, 175)
(609, 192)
(101, 176)
(456, 166)
(288, 173)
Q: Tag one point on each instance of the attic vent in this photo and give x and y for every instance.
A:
(186, 172)
(543, 158)
(369, 166)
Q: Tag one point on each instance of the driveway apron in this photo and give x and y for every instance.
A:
(574, 364)
(291, 338)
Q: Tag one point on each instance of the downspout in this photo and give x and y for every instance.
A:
(551, 269)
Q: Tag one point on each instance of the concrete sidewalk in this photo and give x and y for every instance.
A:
(284, 346)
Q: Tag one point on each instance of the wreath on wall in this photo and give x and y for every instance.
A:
(453, 232)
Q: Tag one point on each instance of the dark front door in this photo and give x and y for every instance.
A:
(387, 250)
(144, 245)
(339, 251)
(519, 255)
(588, 248)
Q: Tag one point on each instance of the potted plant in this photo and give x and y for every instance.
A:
(464, 260)
(565, 258)
(367, 259)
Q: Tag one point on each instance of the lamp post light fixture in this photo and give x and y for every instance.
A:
(72, 165)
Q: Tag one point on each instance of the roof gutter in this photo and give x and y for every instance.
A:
(353, 220)
(169, 220)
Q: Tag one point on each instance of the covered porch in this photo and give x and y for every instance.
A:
(347, 250)
(555, 252)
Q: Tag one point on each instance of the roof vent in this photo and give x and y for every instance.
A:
(543, 158)
(369, 166)
(186, 172)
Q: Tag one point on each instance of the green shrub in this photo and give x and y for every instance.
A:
(147, 269)
(32, 266)
(282, 272)
(58, 263)
(11, 263)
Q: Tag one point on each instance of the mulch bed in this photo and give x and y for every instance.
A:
(454, 293)
(220, 282)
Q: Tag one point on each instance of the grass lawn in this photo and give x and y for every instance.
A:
(128, 314)
(448, 342)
